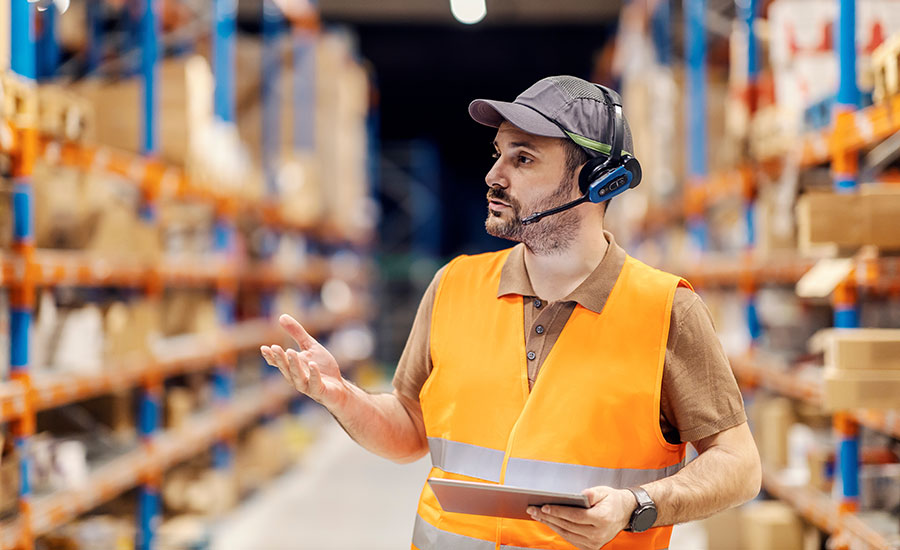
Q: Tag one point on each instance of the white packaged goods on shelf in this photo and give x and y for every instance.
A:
(802, 34)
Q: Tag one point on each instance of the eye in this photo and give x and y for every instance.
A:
(524, 160)
(495, 155)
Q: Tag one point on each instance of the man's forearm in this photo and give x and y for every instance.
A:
(380, 423)
(720, 478)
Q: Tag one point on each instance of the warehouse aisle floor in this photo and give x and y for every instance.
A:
(342, 497)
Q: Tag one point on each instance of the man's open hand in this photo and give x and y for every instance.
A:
(592, 528)
(312, 370)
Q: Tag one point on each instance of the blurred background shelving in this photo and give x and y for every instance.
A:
(176, 173)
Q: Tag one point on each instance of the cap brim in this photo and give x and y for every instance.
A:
(493, 113)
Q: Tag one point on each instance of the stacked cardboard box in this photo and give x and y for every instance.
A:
(849, 221)
(862, 367)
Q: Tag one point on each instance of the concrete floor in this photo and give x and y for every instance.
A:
(340, 497)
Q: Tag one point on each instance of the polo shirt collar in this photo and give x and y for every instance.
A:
(591, 294)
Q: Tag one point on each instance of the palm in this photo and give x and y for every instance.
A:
(312, 369)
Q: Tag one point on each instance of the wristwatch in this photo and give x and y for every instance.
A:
(644, 516)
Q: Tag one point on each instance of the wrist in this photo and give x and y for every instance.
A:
(342, 399)
(629, 505)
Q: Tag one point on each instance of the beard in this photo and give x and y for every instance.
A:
(552, 235)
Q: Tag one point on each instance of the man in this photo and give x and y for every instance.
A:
(560, 364)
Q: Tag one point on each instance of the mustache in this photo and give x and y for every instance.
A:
(499, 194)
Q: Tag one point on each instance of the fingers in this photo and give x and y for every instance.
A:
(550, 519)
(296, 331)
(299, 375)
(316, 386)
(571, 514)
(270, 358)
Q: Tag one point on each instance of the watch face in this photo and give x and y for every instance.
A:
(643, 519)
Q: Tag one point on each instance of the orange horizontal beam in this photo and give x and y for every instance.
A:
(77, 268)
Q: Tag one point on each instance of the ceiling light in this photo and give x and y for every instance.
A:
(468, 11)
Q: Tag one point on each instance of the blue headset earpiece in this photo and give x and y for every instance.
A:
(603, 178)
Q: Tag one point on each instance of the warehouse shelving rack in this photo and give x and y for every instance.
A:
(27, 268)
(853, 129)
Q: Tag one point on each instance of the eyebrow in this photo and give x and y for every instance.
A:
(524, 144)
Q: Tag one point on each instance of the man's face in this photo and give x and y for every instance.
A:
(528, 176)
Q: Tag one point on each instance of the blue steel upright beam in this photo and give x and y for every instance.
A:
(747, 11)
(23, 64)
(223, 371)
(149, 73)
(151, 395)
(271, 92)
(48, 47)
(224, 29)
(845, 168)
(661, 32)
(695, 53)
(94, 12)
(224, 35)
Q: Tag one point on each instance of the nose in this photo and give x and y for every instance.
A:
(495, 176)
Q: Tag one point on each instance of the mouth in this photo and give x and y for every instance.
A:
(494, 204)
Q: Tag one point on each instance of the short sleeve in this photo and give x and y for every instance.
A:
(415, 365)
(700, 396)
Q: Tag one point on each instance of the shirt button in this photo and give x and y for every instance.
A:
(538, 303)
(539, 329)
(531, 355)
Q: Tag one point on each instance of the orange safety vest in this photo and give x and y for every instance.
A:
(591, 419)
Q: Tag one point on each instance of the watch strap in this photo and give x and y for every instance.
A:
(644, 502)
(642, 496)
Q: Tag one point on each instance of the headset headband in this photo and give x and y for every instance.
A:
(615, 119)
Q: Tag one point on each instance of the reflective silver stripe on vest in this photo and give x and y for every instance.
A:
(428, 537)
(465, 459)
(574, 478)
(483, 463)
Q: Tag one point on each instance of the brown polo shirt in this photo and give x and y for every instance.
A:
(699, 396)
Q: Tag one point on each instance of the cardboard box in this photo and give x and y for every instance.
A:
(772, 418)
(867, 217)
(863, 349)
(861, 389)
(119, 111)
(770, 525)
(723, 530)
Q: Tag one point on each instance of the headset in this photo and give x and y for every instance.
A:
(602, 178)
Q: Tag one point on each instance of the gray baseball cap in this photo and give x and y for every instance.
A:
(560, 107)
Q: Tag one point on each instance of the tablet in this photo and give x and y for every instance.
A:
(486, 499)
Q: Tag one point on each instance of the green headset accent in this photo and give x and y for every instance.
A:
(591, 144)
